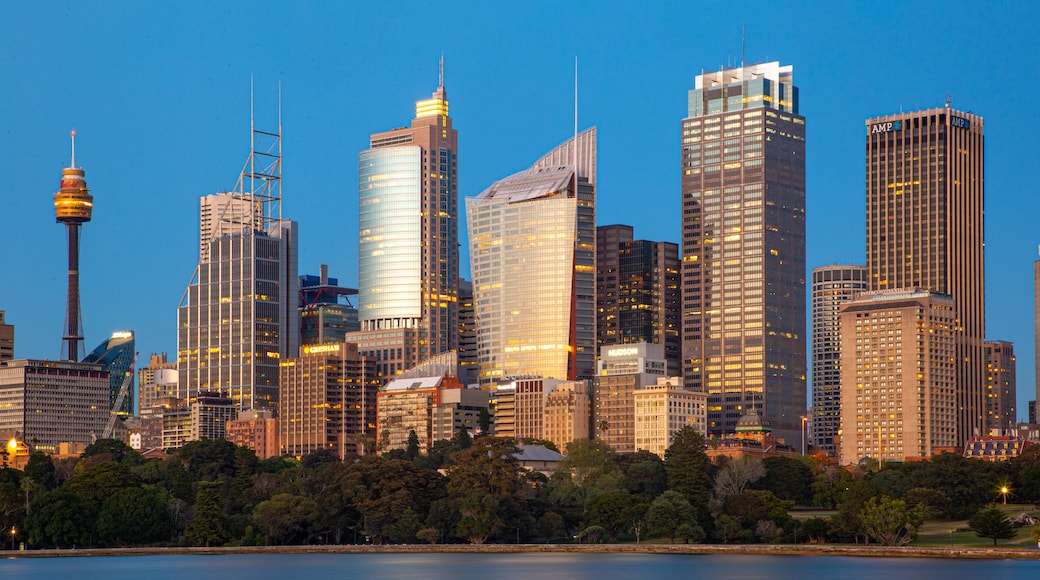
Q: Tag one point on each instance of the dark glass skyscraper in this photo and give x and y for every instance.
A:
(115, 355)
(743, 204)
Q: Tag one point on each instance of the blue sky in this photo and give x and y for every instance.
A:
(159, 96)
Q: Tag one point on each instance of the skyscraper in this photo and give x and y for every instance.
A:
(832, 286)
(533, 260)
(638, 292)
(408, 266)
(6, 339)
(326, 313)
(73, 206)
(239, 314)
(116, 355)
(743, 204)
(925, 228)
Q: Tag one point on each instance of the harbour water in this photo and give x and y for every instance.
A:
(531, 566)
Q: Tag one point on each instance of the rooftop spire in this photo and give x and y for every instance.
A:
(73, 134)
(440, 85)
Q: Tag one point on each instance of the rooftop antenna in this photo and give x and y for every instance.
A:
(73, 134)
(441, 84)
(574, 149)
(742, 45)
(949, 100)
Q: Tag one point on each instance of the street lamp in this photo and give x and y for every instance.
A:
(13, 532)
(1003, 492)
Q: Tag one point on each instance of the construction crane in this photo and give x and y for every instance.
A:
(123, 390)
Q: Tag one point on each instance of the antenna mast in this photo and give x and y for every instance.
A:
(574, 149)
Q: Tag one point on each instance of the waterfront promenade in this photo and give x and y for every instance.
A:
(998, 552)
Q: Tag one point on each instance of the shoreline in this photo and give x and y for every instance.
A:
(997, 553)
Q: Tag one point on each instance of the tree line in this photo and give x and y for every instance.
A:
(213, 493)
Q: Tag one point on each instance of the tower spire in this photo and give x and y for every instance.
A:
(440, 85)
(73, 135)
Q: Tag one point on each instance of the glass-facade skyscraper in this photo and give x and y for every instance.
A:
(743, 217)
(115, 355)
(408, 265)
(532, 242)
(239, 314)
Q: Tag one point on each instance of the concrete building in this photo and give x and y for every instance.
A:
(533, 260)
(53, 402)
(925, 190)
(328, 400)
(6, 339)
(743, 217)
(210, 413)
(157, 381)
(662, 409)
(435, 407)
(832, 286)
(621, 371)
(567, 414)
(503, 410)
(257, 430)
(176, 429)
(395, 350)
(239, 314)
(408, 233)
(529, 406)
(638, 288)
(898, 395)
(1001, 416)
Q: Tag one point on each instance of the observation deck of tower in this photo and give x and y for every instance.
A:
(73, 206)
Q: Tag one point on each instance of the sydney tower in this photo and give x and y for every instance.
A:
(73, 205)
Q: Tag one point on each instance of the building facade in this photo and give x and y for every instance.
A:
(661, 409)
(117, 355)
(533, 260)
(210, 413)
(326, 313)
(417, 404)
(1001, 392)
(567, 413)
(408, 267)
(469, 362)
(925, 228)
(622, 371)
(743, 216)
(898, 395)
(257, 430)
(6, 339)
(239, 314)
(638, 292)
(53, 402)
(156, 381)
(328, 400)
(832, 286)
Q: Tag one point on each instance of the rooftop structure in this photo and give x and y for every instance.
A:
(73, 206)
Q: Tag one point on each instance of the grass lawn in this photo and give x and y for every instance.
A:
(937, 533)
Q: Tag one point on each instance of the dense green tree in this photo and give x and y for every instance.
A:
(1028, 486)
(643, 473)
(12, 499)
(40, 469)
(829, 487)
(752, 506)
(462, 439)
(688, 468)
(60, 518)
(484, 421)
(551, 525)
(969, 484)
(788, 478)
(992, 523)
(134, 515)
(607, 511)
(487, 483)
(853, 494)
(319, 457)
(412, 449)
(668, 513)
(285, 518)
(890, 522)
(815, 530)
(933, 500)
(97, 482)
(208, 459)
(209, 526)
(635, 516)
(591, 467)
(112, 450)
(407, 527)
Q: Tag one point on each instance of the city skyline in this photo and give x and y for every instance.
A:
(185, 117)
